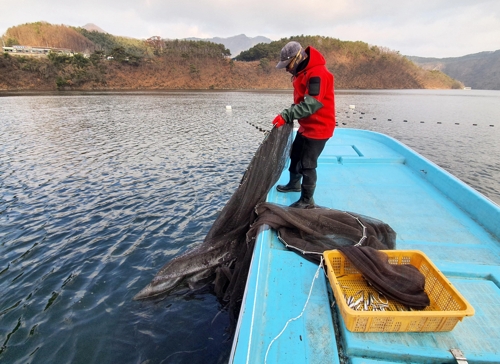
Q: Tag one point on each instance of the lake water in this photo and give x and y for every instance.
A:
(99, 191)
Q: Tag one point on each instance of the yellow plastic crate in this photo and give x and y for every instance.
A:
(447, 307)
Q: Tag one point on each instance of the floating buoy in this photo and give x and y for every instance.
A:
(228, 107)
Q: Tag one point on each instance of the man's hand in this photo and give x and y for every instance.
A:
(278, 121)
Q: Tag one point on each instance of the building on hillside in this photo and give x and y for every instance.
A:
(20, 50)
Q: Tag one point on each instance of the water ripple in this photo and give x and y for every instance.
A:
(97, 192)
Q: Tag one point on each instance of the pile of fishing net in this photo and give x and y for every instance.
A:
(223, 259)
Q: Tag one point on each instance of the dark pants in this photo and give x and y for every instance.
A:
(304, 157)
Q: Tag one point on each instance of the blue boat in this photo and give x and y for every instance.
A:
(288, 313)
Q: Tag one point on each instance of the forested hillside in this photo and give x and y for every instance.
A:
(479, 70)
(118, 63)
(106, 42)
(47, 35)
(358, 65)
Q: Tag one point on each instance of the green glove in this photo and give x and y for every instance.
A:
(306, 108)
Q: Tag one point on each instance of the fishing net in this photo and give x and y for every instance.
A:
(223, 259)
(312, 231)
(401, 282)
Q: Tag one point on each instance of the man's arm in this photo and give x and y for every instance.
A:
(302, 110)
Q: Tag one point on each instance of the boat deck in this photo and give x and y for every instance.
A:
(430, 210)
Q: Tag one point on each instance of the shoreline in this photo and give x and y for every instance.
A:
(28, 92)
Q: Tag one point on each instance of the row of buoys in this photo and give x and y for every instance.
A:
(405, 120)
(259, 128)
(228, 107)
(423, 122)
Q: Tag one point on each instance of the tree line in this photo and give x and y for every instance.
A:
(354, 64)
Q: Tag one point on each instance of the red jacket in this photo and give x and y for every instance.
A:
(321, 124)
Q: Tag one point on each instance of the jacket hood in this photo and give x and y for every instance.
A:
(315, 58)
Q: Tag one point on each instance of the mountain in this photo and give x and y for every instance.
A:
(93, 28)
(478, 70)
(237, 43)
(106, 62)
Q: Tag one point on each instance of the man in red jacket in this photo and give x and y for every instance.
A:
(314, 108)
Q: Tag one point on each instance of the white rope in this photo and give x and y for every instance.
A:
(300, 315)
(360, 242)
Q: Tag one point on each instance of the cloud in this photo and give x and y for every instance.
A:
(437, 28)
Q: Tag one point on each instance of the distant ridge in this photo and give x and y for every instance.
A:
(237, 43)
(478, 70)
(121, 63)
(93, 28)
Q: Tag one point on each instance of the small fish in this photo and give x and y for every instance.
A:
(350, 299)
(370, 299)
(355, 305)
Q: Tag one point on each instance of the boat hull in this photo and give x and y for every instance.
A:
(283, 320)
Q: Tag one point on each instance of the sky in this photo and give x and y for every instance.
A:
(425, 28)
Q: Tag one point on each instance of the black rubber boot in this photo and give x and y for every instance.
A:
(306, 200)
(293, 185)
